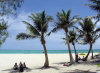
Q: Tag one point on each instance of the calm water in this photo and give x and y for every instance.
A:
(41, 51)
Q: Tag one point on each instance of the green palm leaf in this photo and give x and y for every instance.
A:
(22, 36)
(32, 29)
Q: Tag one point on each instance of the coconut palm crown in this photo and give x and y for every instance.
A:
(38, 29)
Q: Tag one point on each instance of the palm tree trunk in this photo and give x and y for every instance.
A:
(75, 51)
(92, 54)
(69, 49)
(85, 59)
(46, 64)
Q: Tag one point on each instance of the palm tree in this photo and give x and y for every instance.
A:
(88, 33)
(95, 5)
(64, 22)
(72, 39)
(3, 31)
(38, 30)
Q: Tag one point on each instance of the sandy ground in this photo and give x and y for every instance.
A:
(36, 61)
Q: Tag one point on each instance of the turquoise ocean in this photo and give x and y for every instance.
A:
(41, 51)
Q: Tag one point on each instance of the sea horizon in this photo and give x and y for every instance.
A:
(41, 51)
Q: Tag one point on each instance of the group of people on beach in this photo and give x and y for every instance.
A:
(21, 67)
(78, 58)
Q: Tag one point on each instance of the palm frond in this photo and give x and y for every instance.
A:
(74, 17)
(55, 30)
(72, 22)
(68, 15)
(82, 42)
(97, 30)
(3, 25)
(81, 24)
(94, 5)
(94, 17)
(95, 38)
(41, 21)
(22, 36)
(32, 30)
(3, 31)
(36, 18)
(79, 30)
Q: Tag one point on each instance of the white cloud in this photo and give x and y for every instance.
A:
(16, 23)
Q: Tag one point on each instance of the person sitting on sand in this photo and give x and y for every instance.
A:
(20, 63)
(79, 58)
(21, 68)
(24, 65)
(15, 66)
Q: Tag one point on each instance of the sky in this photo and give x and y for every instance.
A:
(54, 41)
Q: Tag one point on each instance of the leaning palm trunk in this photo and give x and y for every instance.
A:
(85, 59)
(92, 54)
(46, 64)
(69, 49)
(75, 51)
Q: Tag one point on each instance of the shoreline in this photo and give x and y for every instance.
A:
(49, 53)
(41, 51)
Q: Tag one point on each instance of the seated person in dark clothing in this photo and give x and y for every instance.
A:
(79, 58)
(24, 65)
(76, 57)
(21, 68)
(15, 66)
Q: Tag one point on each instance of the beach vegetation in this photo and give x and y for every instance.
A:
(9, 6)
(94, 5)
(37, 29)
(64, 22)
(72, 39)
(88, 33)
(3, 31)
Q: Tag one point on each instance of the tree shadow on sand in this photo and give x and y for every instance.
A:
(60, 63)
(50, 67)
(79, 71)
(16, 71)
(92, 62)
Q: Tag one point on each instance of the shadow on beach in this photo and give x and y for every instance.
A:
(79, 71)
(60, 63)
(50, 67)
(90, 62)
(16, 71)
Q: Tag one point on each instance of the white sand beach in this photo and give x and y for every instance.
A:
(36, 61)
